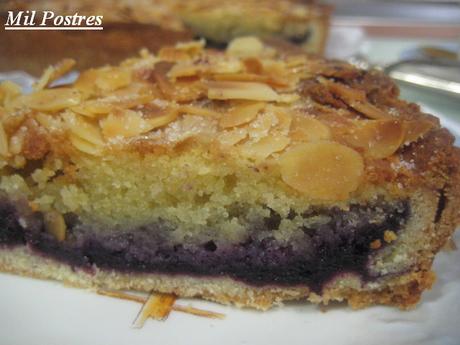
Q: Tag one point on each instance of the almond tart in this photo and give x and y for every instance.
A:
(247, 177)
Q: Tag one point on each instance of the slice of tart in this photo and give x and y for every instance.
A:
(247, 177)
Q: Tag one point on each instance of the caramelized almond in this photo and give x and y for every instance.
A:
(377, 138)
(3, 141)
(54, 72)
(322, 170)
(241, 114)
(413, 130)
(241, 90)
(52, 99)
(232, 137)
(245, 46)
(55, 225)
(83, 128)
(305, 128)
(84, 145)
(264, 147)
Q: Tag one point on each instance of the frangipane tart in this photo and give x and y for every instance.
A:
(242, 180)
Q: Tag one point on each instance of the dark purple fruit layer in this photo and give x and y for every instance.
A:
(320, 253)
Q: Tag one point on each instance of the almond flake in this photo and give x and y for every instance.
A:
(55, 225)
(241, 114)
(241, 90)
(322, 170)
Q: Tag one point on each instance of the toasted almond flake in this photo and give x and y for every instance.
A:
(9, 91)
(86, 82)
(378, 138)
(49, 122)
(416, 129)
(184, 309)
(85, 146)
(322, 170)
(250, 77)
(83, 129)
(232, 137)
(55, 225)
(163, 120)
(253, 65)
(113, 78)
(288, 98)
(173, 54)
(245, 46)
(370, 110)
(158, 306)
(241, 90)
(200, 111)
(181, 70)
(54, 72)
(308, 129)
(192, 47)
(50, 99)
(3, 142)
(93, 108)
(284, 119)
(264, 147)
(346, 93)
(225, 65)
(241, 113)
(355, 98)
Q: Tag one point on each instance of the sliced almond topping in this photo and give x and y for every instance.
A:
(370, 110)
(84, 129)
(232, 137)
(322, 170)
(113, 78)
(86, 82)
(241, 114)
(241, 90)
(3, 142)
(49, 122)
(8, 91)
(55, 225)
(85, 146)
(245, 46)
(51, 99)
(253, 65)
(93, 108)
(416, 129)
(288, 98)
(356, 99)
(129, 123)
(192, 47)
(378, 138)
(305, 128)
(200, 111)
(158, 306)
(53, 73)
(162, 120)
(250, 77)
(264, 147)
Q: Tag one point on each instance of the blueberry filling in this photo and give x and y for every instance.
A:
(320, 252)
